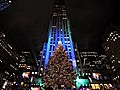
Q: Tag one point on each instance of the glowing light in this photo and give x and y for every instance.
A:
(26, 74)
(39, 81)
(59, 42)
(110, 85)
(4, 5)
(0, 60)
(5, 84)
(22, 83)
(81, 82)
(93, 86)
(60, 36)
(35, 88)
(9, 1)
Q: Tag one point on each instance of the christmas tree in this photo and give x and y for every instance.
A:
(59, 71)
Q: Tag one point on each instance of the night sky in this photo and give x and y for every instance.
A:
(26, 22)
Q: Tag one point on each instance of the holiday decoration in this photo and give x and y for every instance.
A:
(59, 72)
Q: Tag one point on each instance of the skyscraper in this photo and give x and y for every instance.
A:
(111, 45)
(53, 72)
(9, 59)
(59, 33)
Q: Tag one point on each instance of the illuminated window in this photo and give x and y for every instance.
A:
(114, 70)
(35, 72)
(40, 74)
(108, 39)
(9, 1)
(41, 69)
(77, 60)
(93, 86)
(97, 86)
(112, 67)
(0, 60)
(53, 26)
(115, 37)
(111, 33)
(64, 18)
(107, 48)
(118, 61)
(113, 61)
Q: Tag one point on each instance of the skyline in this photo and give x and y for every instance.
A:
(28, 26)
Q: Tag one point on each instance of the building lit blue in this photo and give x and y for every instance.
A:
(59, 33)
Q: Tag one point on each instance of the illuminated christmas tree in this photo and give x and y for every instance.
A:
(59, 71)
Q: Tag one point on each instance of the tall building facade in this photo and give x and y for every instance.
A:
(25, 61)
(93, 62)
(59, 33)
(111, 45)
(14, 65)
(96, 66)
(9, 59)
(9, 56)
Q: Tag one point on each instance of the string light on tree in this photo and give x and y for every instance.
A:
(59, 72)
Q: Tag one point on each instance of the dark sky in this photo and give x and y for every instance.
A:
(26, 21)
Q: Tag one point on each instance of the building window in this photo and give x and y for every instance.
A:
(107, 48)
